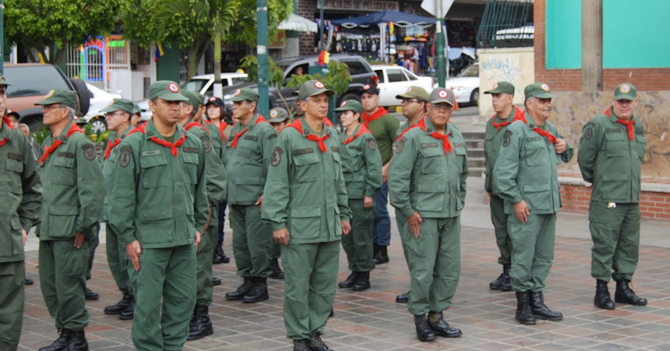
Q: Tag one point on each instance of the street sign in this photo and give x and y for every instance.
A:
(433, 7)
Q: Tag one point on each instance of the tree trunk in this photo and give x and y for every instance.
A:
(217, 66)
(191, 62)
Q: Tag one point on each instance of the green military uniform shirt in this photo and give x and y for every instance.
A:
(384, 130)
(610, 160)
(73, 188)
(217, 140)
(495, 129)
(107, 167)
(157, 198)
(215, 172)
(361, 164)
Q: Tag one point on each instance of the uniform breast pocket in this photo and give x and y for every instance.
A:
(306, 167)
(305, 222)
(14, 170)
(430, 197)
(617, 144)
(337, 165)
(538, 196)
(63, 171)
(356, 160)
(191, 168)
(615, 186)
(460, 153)
(640, 146)
(432, 160)
(153, 171)
(535, 152)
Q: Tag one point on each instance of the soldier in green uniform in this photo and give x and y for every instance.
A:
(73, 195)
(136, 116)
(216, 179)
(118, 117)
(502, 96)
(526, 177)
(427, 185)
(414, 102)
(158, 206)
(306, 205)
(20, 203)
(362, 170)
(247, 158)
(611, 151)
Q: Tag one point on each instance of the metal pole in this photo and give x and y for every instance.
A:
(441, 62)
(323, 44)
(2, 36)
(262, 51)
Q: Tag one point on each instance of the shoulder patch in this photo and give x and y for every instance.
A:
(272, 136)
(507, 137)
(89, 151)
(588, 132)
(206, 143)
(124, 159)
(372, 143)
(401, 145)
(276, 156)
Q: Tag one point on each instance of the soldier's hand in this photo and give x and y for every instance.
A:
(414, 222)
(281, 236)
(78, 239)
(385, 172)
(259, 203)
(197, 240)
(522, 211)
(561, 146)
(346, 227)
(25, 236)
(368, 202)
(134, 250)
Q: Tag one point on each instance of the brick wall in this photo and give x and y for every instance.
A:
(307, 9)
(645, 79)
(653, 205)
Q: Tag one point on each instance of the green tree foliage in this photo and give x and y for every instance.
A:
(52, 24)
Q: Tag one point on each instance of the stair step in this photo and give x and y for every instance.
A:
(475, 172)
(475, 144)
(476, 162)
(473, 135)
(475, 153)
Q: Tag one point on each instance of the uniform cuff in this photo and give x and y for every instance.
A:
(278, 226)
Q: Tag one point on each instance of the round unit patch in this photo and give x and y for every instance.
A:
(588, 133)
(110, 103)
(507, 137)
(442, 94)
(273, 113)
(544, 87)
(319, 85)
(495, 86)
(276, 156)
(212, 98)
(124, 159)
(173, 87)
(366, 87)
(400, 145)
(50, 93)
(237, 92)
(625, 89)
(408, 90)
(372, 144)
(89, 152)
(344, 103)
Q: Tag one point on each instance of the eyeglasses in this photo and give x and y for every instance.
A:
(51, 107)
(409, 101)
(445, 107)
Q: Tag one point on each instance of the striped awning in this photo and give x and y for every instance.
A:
(297, 23)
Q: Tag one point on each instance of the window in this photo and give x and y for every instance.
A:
(380, 75)
(411, 75)
(356, 67)
(34, 80)
(396, 75)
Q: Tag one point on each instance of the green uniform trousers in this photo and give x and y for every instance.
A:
(252, 241)
(403, 230)
(434, 264)
(93, 242)
(276, 250)
(358, 244)
(167, 274)
(11, 304)
(499, 220)
(616, 240)
(117, 259)
(310, 272)
(532, 250)
(63, 279)
(204, 256)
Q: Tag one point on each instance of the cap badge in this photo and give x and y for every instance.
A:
(237, 92)
(625, 89)
(366, 87)
(344, 103)
(495, 85)
(319, 85)
(273, 113)
(50, 93)
(544, 87)
(173, 87)
(408, 90)
(213, 98)
(110, 103)
(442, 94)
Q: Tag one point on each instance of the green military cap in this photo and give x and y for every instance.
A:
(136, 108)
(60, 96)
(119, 105)
(3, 81)
(244, 94)
(625, 91)
(193, 99)
(166, 90)
(439, 95)
(277, 115)
(538, 90)
(203, 98)
(501, 88)
(414, 92)
(350, 105)
(313, 88)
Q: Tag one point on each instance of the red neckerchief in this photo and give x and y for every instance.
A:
(173, 147)
(111, 145)
(73, 129)
(546, 134)
(410, 127)
(6, 120)
(321, 141)
(222, 126)
(361, 130)
(507, 122)
(630, 125)
(446, 144)
(367, 119)
(238, 135)
(190, 125)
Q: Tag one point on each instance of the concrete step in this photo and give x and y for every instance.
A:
(476, 162)
(473, 135)
(475, 144)
(475, 172)
(475, 153)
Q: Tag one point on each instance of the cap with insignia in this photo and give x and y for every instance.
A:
(166, 90)
(60, 96)
(370, 89)
(244, 94)
(625, 91)
(313, 88)
(119, 105)
(2, 80)
(501, 88)
(440, 95)
(414, 92)
(538, 90)
(193, 99)
(136, 108)
(277, 115)
(350, 105)
(215, 100)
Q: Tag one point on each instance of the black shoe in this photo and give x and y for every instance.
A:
(332, 312)
(258, 293)
(119, 307)
(128, 313)
(201, 325)
(382, 255)
(440, 327)
(244, 289)
(602, 298)
(216, 281)
(77, 341)
(523, 313)
(349, 282)
(219, 255)
(423, 331)
(362, 282)
(403, 298)
(540, 310)
(301, 345)
(502, 282)
(90, 295)
(277, 273)
(625, 294)
(61, 343)
(28, 281)
(316, 344)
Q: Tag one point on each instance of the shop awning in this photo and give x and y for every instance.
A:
(400, 19)
(297, 23)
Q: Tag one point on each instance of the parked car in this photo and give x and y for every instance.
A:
(99, 100)
(466, 85)
(394, 80)
(30, 82)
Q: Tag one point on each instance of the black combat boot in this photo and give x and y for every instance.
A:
(301, 345)
(362, 282)
(277, 273)
(201, 325)
(540, 310)
(28, 281)
(349, 282)
(216, 281)
(61, 343)
(382, 255)
(259, 292)
(403, 298)
(625, 294)
(219, 255)
(90, 295)
(502, 283)
(423, 331)
(438, 325)
(316, 344)
(244, 289)
(602, 298)
(523, 313)
(77, 341)
(119, 307)
(128, 313)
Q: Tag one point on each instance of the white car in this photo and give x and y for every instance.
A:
(203, 84)
(466, 85)
(394, 80)
(99, 100)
